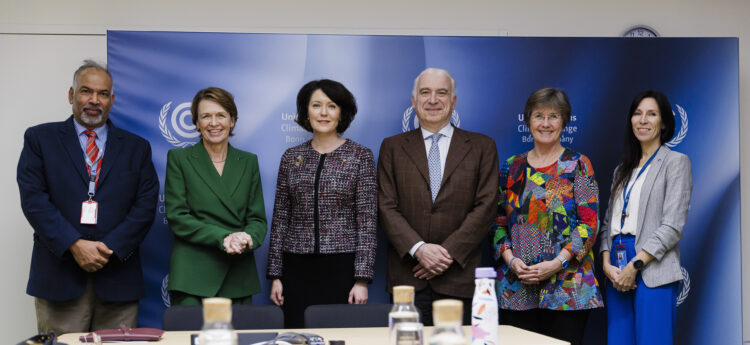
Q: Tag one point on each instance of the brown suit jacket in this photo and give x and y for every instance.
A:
(459, 218)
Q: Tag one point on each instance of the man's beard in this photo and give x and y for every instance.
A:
(95, 120)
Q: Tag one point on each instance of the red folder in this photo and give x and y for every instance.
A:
(125, 334)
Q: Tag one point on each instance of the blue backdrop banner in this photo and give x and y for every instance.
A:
(156, 74)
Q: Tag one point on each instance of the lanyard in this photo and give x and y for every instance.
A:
(626, 196)
(94, 169)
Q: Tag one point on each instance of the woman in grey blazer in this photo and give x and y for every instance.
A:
(643, 226)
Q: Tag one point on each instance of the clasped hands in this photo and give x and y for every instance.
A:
(535, 273)
(433, 261)
(622, 280)
(237, 242)
(91, 256)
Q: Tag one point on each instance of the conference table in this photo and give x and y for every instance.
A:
(507, 335)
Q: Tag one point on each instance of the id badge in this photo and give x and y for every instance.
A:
(621, 257)
(89, 210)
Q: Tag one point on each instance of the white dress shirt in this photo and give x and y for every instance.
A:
(631, 222)
(443, 144)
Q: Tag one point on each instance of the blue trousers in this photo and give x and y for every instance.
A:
(641, 316)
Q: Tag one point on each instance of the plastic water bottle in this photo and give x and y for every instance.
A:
(217, 322)
(447, 316)
(484, 308)
(403, 310)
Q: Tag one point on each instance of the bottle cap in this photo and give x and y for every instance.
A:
(485, 272)
(217, 309)
(403, 294)
(447, 310)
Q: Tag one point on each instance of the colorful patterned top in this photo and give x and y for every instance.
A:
(325, 204)
(546, 210)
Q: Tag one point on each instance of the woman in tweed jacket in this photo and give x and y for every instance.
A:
(323, 235)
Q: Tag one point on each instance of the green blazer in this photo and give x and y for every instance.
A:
(202, 208)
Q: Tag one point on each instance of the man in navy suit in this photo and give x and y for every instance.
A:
(89, 190)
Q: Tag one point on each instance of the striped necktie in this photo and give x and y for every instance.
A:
(92, 151)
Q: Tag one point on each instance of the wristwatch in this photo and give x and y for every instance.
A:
(638, 264)
(563, 261)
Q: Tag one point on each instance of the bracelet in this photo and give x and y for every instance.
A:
(510, 264)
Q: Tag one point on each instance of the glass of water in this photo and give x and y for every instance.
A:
(407, 333)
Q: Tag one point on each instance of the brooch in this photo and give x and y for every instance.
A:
(298, 161)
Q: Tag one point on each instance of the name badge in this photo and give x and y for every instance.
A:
(89, 210)
(621, 257)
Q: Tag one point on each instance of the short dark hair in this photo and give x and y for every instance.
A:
(222, 97)
(548, 97)
(337, 92)
(631, 150)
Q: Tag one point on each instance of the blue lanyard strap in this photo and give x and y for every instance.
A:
(626, 196)
(92, 174)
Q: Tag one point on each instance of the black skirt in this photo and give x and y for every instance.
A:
(310, 279)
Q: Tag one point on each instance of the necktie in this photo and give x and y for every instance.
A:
(92, 151)
(433, 161)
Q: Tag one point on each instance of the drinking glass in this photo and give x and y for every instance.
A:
(407, 333)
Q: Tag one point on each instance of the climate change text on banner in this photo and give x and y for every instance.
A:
(156, 74)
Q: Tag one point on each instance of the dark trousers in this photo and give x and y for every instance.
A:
(566, 325)
(311, 279)
(423, 301)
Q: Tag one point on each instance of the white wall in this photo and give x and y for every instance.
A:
(35, 74)
(42, 42)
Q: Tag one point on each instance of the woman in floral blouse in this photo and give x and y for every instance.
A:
(323, 235)
(546, 227)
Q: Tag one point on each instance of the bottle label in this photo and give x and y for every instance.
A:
(484, 313)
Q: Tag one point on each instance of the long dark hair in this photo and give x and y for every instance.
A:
(631, 150)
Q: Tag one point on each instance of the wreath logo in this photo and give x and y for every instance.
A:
(165, 291)
(178, 123)
(680, 136)
(685, 289)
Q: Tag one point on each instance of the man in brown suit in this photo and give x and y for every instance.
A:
(437, 197)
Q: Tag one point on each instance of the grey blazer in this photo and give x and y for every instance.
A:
(662, 212)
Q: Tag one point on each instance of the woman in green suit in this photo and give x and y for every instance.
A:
(214, 206)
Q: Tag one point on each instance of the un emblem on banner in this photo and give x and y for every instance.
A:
(408, 118)
(165, 292)
(680, 136)
(685, 287)
(181, 122)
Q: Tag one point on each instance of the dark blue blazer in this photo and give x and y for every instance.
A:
(53, 181)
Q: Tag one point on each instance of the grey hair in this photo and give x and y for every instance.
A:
(89, 63)
(438, 71)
